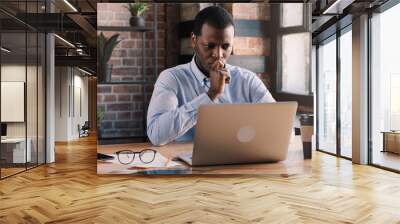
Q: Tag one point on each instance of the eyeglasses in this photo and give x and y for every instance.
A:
(127, 156)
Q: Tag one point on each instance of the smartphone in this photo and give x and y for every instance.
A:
(101, 156)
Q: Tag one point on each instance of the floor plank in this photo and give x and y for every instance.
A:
(70, 191)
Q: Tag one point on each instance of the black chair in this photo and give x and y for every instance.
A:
(84, 130)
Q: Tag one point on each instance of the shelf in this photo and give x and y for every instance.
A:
(124, 28)
(122, 140)
(124, 82)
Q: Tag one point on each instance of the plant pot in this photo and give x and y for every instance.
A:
(105, 73)
(137, 21)
(100, 132)
(108, 73)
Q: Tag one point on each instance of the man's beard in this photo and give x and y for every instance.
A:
(198, 62)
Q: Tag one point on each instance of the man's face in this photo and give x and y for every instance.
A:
(213, 44)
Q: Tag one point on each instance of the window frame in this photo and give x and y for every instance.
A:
(334, 36)
(281, 31)
(378, 10)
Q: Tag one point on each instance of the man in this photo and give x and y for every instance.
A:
(207, 79)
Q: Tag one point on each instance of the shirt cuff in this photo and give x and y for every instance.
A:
(200, 100)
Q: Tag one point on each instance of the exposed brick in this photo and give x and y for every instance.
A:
(137, 98)
(254, 46)
(134, 52)
(128, 62)
(126, 124)
(122, 98)
(122, 16)
(126, 89)
(137, 115)
(127, 65)
(149, 88)
(115, 61)
(109, 116)
(109, 98)
(119, 107)
(120, 53)
(129, 44)
(137, 106)
(106, 124)
(103, 89)
(149, 44)
(135, 36)
(240, 42)
(101, 107)
(124, 115)
(126, 71)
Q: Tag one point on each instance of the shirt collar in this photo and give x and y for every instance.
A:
(198, 74)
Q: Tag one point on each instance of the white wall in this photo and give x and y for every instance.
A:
(71, 87)
(33, 126)
(62, 80)
(13, 73)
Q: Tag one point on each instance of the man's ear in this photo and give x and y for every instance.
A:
(193, 40)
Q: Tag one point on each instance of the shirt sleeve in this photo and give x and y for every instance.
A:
(259, 92)
(167, 121)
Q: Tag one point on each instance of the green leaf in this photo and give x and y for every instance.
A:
(109, 46)
(136, 9)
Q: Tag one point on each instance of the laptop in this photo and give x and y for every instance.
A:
(242, 133)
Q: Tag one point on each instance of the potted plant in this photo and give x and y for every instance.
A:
(105, 47)
(137, 9)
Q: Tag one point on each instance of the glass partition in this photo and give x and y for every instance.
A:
(31, 98)
(41, 96)
(13, 93)
(385, 89)
(22, 89)
(327, 96)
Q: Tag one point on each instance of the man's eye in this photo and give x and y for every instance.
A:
(210, 46)
(226, 46)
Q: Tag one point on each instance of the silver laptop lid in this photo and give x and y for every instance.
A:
(243, 133)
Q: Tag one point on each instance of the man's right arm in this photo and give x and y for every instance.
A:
(166, 120)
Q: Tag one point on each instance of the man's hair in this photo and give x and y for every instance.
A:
(214, 16)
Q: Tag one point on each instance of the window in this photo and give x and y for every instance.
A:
(292, 15)
(346, 93)
(294, 50)
(327, 96)
(385, 84)
(296, 63)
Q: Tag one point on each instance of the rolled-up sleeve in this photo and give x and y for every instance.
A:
(166, 120)
(258, 91)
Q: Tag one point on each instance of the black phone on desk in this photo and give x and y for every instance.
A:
(104, 157)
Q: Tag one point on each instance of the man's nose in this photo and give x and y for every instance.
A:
(218, 52)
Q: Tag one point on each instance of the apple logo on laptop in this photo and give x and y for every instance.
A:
(246, 134)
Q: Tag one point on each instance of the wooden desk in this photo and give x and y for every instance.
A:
(391, 141)
(294, 164)
(13, 150)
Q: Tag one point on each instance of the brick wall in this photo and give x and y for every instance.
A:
(246, 46)
(123, 103)
(256, 46)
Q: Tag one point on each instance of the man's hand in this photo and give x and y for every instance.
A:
(219, 75)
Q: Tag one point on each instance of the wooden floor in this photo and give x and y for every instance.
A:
(10, 171)
(70, 191)
(386, 159)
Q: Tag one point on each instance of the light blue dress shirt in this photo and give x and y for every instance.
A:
(179, 92)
